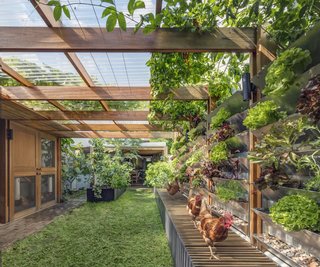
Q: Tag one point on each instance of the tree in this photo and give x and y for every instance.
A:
(74, 162)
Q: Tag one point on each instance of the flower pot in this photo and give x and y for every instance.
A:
(107, 194)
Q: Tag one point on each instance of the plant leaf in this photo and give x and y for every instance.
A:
(111, 22)
(139, 5)
(108, 1)
(66, 12)
(108, 10)
(131, 6)
(57, 12)
(122, 21)
(54, 3)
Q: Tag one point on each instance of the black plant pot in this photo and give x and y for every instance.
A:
(107, 194)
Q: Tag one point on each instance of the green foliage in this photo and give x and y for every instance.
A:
(219, 153)
(177, 144)
(312, 163)
(74, 162)
(278, 147)
(196, 132)
(159, 174)
(296, 212)
(129, 229)
(175, 112)
(221, 116)
(283, 71)
(230, 190)
(263, 114)
(196, 157)
(235, 144)
(108, 170)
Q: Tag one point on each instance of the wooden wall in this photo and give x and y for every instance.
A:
(3, 171)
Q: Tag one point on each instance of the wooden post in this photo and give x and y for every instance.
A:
(59, 170)
(264, 54)
(3, 172)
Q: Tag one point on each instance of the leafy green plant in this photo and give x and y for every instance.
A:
(312, 163)
(74, 162)
(196, 157)
(106, 170)
(230, 190)
(296, 212)
(219, 153)
(235, 145)
(159, 174)
(262, 114)
(198, 131)
(221, 116)
(283, 71)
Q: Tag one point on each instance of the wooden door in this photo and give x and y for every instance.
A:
(24, 173)
(33, 171)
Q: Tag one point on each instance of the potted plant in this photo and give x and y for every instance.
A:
(110, 174)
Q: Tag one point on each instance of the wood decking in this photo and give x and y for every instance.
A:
(188, 247)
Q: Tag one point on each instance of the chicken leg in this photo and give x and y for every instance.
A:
(213, 252)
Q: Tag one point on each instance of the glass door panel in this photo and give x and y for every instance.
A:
(24, 193)
(48, 189)
(47, 153)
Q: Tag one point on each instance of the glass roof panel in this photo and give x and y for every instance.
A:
(6, 80)
(129, 105)
(16, 13)
(117, 69)
(97, 122)
(132, 122)
(38, 105)
(75, 105)
(83, 14)
(43, 68)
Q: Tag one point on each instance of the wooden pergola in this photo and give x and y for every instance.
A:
(56, 38)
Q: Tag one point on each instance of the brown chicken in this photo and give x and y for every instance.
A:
(194, 206)
(215, 230)
(173, 188)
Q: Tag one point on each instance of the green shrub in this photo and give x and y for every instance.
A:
(196, 157)
(283, 71)
(230, 190)
(263, 114)
(219, 153)
(159, 174)
(219, 118)
(296, 212)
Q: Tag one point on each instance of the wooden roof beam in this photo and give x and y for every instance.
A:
(98, 93)
(68, 39)
(158, 6)
(92, 115)
(104, 134)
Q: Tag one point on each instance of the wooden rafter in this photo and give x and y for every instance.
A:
(67, 39)
(15, 75)
(90, 115)
(104, 134)
(113, 127)
(46, 13)
(97, 93)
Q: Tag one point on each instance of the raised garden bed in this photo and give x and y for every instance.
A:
(239, 209)
(309, 241)
(107, 194)
(293, 256)
(275, 195)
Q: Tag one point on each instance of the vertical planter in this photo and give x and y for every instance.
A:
(107, 194)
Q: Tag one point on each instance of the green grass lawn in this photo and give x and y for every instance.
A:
(125, 232)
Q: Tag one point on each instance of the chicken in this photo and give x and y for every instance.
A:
(194, 206)
(173, 188)
(215, 230)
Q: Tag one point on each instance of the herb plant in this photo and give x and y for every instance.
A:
(263, 114)
(296, 212)
(230, 190)
(219, 153)
(283, 71)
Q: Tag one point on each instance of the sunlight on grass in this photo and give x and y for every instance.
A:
(126, 232)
